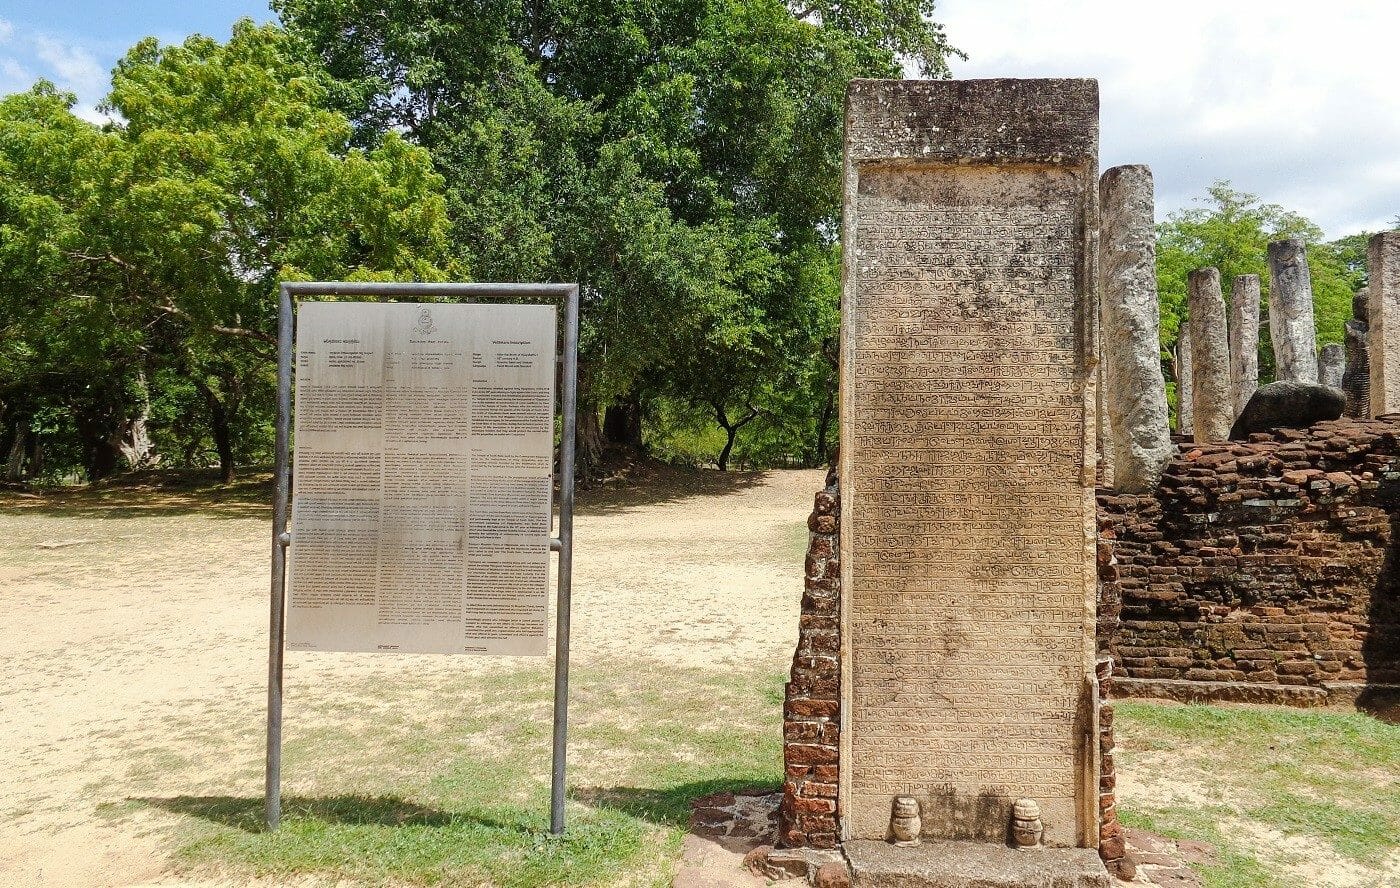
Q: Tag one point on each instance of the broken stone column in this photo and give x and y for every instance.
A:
(1244, 338)
(1291, 323)
(1383, 338)
(1356, 381)
(1331, 365)
(1135, 392)
(1213, 408)
(1183, 377)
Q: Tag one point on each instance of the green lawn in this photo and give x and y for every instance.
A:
(1281, 793)
(463, 798)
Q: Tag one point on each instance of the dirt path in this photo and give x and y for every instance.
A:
(127, 614)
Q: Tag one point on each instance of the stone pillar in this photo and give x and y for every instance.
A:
(1135, 394)
(1184, 399)
(1244, 339)
(1332, 365)
(1291, 324)
(967, 460)
(1213, 408)
(1383, 311)
(1356, 381)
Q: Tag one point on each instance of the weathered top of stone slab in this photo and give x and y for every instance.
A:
(951, 864)
(1044, 121)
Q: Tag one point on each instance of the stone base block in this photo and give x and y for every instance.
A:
(947, 864)
(1183, 691)
(788, 863)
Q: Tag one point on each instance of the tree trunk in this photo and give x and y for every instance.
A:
(220, 428)
(223, 438)
(589, 442)
(100, 458)
(133, 438)
(14, 463)
(731, 430)
(723, 460)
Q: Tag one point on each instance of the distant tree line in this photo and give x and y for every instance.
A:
(1231, 231)
(680, 159)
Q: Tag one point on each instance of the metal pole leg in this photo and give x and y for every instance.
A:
(272, 789)
(566, 563)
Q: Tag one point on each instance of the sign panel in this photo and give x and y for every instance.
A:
(422, 478)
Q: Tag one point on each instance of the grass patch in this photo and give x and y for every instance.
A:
(465, 800)
(1366, 836)
(1231, 868)
(383, 840)
(1330, 778)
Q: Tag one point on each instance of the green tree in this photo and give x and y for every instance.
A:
(72, 350)
(1232, 232)
(154, 245)
(681, 159)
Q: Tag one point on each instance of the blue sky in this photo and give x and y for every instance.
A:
(75, 43)
(1288, 99)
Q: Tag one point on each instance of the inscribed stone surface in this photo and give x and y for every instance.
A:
(966, 457)
(421, 504)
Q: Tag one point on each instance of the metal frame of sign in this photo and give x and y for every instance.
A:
(563, 543)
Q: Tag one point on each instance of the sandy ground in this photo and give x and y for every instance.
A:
(134, 645)
(124, 618)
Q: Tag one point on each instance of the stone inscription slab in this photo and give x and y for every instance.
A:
(967, 460)
(422, 490)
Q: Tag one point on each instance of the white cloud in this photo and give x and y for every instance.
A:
(1285, 99)
(69, 64)
(14, 76)
(76, 68)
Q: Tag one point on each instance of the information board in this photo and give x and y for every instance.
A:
(422, 491)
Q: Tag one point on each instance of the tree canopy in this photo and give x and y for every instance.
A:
(1231, 232)
(680, 159)
(141, 258)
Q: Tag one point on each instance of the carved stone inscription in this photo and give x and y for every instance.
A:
(969, 577)
(421, 486)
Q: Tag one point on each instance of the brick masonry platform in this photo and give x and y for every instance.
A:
(1259, 571)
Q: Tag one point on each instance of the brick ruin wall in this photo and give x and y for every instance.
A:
(812, 699)
(1258, 571)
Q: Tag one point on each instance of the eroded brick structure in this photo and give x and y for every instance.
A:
(1261, 570)
(812, 700)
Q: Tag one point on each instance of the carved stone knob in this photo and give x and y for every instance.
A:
(905, 822)
(1026, 827)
